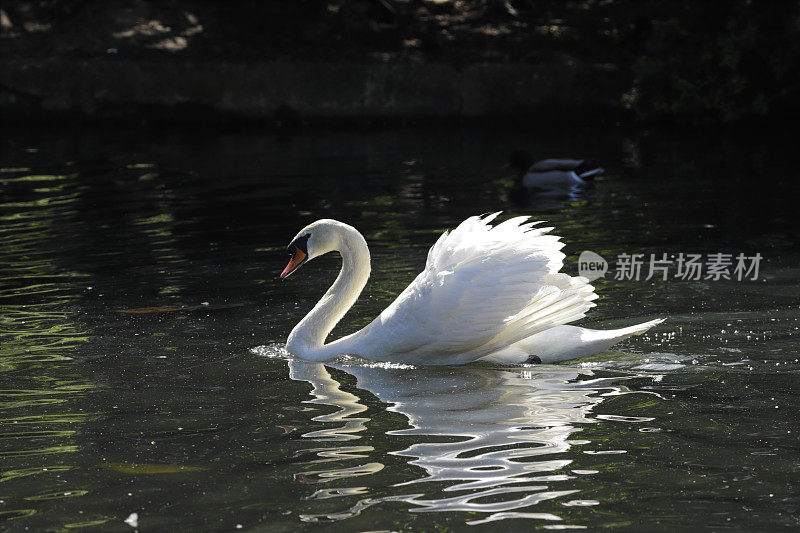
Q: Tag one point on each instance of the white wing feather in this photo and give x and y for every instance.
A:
(483, 288)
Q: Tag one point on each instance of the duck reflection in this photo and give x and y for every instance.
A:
(486, 434)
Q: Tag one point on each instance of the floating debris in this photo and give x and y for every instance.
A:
(132, 520)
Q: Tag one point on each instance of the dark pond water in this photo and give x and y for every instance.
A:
(142, 322)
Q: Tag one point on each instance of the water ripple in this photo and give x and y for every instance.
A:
(503, 439)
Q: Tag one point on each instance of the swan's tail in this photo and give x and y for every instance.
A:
(590, 174)
(638, 329)
(561, 343)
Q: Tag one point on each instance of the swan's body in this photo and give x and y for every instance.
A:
(486, 292)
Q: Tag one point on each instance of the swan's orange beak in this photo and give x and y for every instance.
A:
(298, 258)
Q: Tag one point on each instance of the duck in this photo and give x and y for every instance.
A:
(487, 292)
(552, 174)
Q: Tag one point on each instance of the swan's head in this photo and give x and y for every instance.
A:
(316, 239)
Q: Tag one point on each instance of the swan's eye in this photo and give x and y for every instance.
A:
(300, 243)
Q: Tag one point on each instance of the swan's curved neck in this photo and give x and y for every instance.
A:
(308, 337)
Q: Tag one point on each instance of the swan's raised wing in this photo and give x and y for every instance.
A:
(483, 287)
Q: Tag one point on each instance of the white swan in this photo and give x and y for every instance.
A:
(551, 173)
(487, 292)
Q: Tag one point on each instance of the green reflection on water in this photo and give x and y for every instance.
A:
(34, 177)
(40, 336)
(88, 523)
(58, 495)
(25, 472)
(16, 513)
(41, 451)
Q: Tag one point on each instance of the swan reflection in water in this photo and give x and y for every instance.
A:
(513, 429)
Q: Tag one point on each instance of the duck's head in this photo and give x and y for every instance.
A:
(521, 160)
(316, 239)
